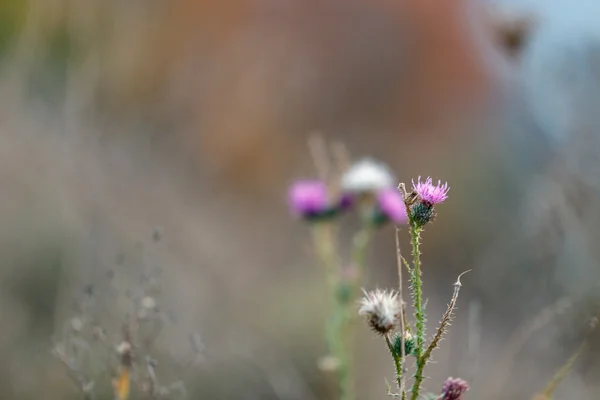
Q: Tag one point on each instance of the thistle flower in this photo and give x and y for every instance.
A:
(390, 206)
(310, 199)
(429, 193)
(424, 196)
(381, 309)
(453, 389)
(367, 176)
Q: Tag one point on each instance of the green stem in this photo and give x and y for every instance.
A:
(419, 312)
(397, 363)
(341, 342)
(561, 374)
(359, 254)
(324, 244)
(339, 329)
(346, 296)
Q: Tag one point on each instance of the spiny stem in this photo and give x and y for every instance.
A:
(397, 362)
(447, 317)
(417, 287)
(418, 305)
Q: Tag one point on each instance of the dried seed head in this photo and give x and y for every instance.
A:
(76, 324)
(149, 303)
(381, 309)
(124, 348)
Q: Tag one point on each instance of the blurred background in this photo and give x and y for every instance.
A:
(122, 121)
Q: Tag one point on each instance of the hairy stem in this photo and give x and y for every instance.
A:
(397, 361)
(418, 306)
(446, 319)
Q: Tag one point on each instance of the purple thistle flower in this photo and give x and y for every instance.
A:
(429, 193)
(454, 388)
(308, 197)
(391, 205)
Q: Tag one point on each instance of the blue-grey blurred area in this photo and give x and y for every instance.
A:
(125, 121)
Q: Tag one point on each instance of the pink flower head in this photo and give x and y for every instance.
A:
(308, 197)
(391, 204)
(430, 193)
(454, 388)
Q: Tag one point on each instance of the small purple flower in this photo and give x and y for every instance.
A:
(430, 193)
(391, 205)
(454, 388)
(308, 197)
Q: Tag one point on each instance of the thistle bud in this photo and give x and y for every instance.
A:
(410, 345)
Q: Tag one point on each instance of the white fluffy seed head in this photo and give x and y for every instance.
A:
(367, 176)
(149, 303)
(123, 348)
(77, 324)
(381, 308)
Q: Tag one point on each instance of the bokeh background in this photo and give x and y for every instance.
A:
(121, 119)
